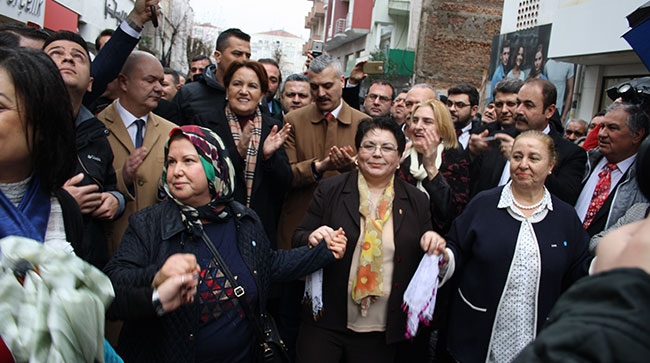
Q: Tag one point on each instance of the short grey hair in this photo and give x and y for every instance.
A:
(324, 61)
(637, 119)
(425, 85)
(580, 121)
(296, 77)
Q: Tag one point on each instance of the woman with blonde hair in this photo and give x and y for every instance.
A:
(435, 164)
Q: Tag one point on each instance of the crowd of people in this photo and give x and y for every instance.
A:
(210, 203)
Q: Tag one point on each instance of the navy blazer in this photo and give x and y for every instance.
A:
(108, 63)
(483, 239)
(336, 204)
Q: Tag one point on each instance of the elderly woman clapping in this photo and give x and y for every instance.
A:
(513, 251)
(200, 216)
(388, 223)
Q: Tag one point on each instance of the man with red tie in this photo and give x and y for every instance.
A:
(610, 187)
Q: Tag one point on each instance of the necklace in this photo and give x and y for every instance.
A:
(527, 207)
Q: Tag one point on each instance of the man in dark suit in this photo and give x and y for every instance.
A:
(535, 107)
(622, 129)
(462, 101)
(487, 165)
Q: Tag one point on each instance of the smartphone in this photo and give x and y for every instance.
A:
(489, 138)
(373, 67)
(316, 48)
(154, 16)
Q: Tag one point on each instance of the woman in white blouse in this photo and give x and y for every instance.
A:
(513, 251)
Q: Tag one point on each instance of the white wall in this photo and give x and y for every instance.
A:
(590, 27)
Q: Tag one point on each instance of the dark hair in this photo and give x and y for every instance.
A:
(384, 83)
(199, 57)
(44, 104)
(381, 123)
(256, 67)
(224, 37)
(636, 120)
(549, 92)
(273, 63)
(465, 89)
(10, 34)
(71, 37)
(295, 77)
(508, 85)
(600, 113)
(105, 32)
(174, 73)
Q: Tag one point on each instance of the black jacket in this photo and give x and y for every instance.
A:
(72, 220)
(157, 232)
(95, 161)
(601, 318)
(273, 177)
(203, 96)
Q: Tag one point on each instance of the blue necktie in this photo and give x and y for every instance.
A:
(138, 134)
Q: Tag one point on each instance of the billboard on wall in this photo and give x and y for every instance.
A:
(523, 54)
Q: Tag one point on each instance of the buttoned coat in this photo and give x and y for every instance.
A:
(336, 204)
(306, 143)
(148, 175)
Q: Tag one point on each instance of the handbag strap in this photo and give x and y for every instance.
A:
(237, 289)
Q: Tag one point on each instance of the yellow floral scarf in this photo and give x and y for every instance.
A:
(368, 285)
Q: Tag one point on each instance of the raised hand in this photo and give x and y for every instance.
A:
(275, 140)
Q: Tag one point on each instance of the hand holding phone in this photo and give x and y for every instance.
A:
(316, 48)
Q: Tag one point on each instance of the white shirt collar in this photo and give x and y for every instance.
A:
(127, 117)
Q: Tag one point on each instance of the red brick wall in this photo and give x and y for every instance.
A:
(455, 40)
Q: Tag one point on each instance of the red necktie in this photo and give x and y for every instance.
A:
(600, 193)
(458, 133)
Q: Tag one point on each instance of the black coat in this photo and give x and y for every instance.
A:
(95, 161)
(272, 179)
(203, 96)
(336, 204)
(157, 232)
(602, 318)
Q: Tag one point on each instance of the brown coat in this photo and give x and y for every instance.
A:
(148, 174)
(306, 143)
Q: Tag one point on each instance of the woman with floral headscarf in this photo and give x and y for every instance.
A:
(164, 241)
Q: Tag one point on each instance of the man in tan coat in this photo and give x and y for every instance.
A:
(321, 141)
(137, 137)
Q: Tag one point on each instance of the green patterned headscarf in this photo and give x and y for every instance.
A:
(218, 170)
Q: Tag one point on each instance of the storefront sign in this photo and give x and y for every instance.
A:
(24, 10)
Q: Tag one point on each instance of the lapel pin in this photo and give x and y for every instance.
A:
(553, 245)
(565, 244)
(400, 211)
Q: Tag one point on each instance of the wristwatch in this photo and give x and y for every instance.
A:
(155, 300)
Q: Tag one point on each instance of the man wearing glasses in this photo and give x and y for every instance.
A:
(379, 99)
(462, 101)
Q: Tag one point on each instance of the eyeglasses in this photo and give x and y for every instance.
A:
(385, 149)
(458, 104)
(373, 97)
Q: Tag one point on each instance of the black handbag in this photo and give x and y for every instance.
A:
(270, 347)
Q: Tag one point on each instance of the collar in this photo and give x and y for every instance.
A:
(335, 111)
(506, 200)
(84, 114)
(126, 116)
(624, 164)
(547, 129)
